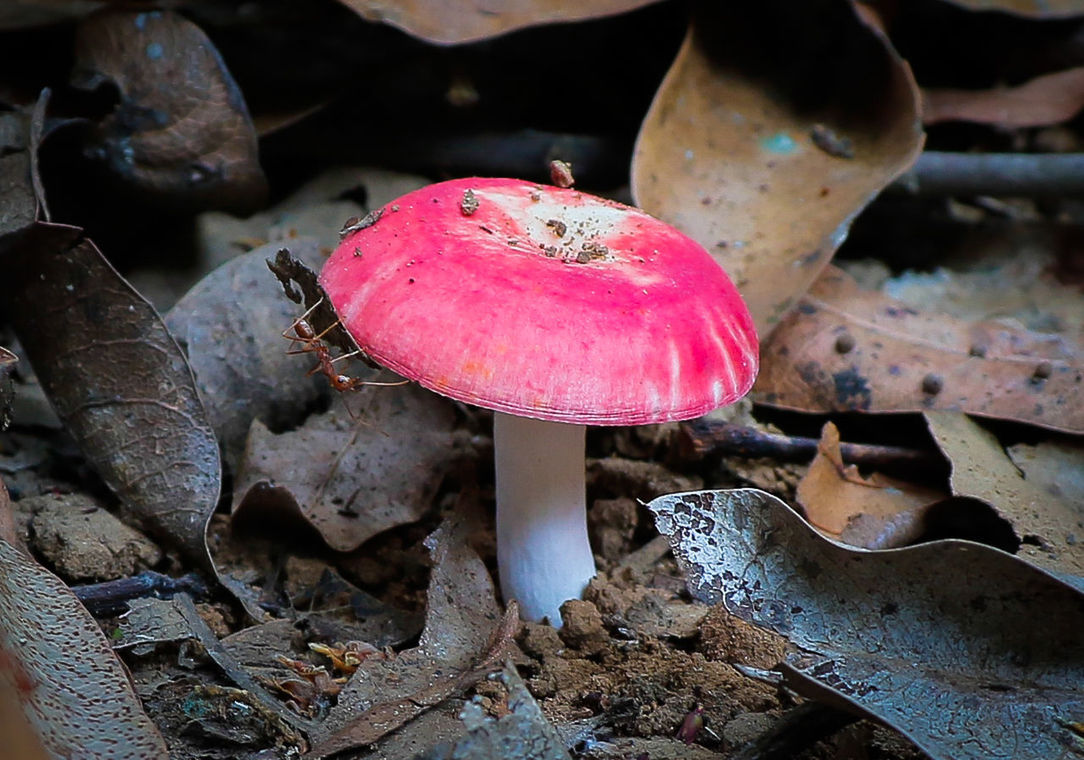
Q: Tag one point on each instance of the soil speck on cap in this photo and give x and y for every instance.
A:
(469, 204)
(559, 228)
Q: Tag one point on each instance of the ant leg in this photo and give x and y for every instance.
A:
(330, 327)
(346, 356)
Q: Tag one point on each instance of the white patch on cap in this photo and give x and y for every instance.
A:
(592, 224)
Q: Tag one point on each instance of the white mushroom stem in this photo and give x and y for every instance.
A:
(543, 553)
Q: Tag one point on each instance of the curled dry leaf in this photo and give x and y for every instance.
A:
(230, 326)
(454, 23)
(351, 478)
(845, 349)
(1049, 527)
(875, 512)
(1044, 101)
(73, 691)
(907, 636)
(465, 638)
(181, 131)
(117, 380)
(774, 127)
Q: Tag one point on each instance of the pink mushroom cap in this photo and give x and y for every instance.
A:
(544, 302)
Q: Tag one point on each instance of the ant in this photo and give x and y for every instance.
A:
(305, 334)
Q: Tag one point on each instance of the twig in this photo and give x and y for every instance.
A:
(112, 597)
(701, 438)
(233, 670)
(1011, 174)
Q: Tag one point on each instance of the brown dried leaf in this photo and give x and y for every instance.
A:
(73, 691)
(453, 23)
(1027, 8)
(181, 131)
(1049, 527)
(776, 124)
(230, 326)
(117, 380)
(836, 496)
(351, 479)
(1046, 100)
(465, 638)
(844, 349)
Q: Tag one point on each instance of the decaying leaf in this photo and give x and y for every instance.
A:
(74, 692)
(451, 24)
(1049, 527)
(351, 478)
(844, 349)
(775, 126)
(117, 380)
(1043, 101)
(181, 131)
(966, 650)
(520, 734)
(465, 638)
(875, 512)
(230, 325)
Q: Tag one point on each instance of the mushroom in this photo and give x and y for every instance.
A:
(556, 310)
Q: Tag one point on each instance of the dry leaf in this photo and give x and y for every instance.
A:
(181, 131)
(465, 638)
(968, 651)
(1046, 100)
(351, 478)
(774, 127)
(117, 380)
(1049, 528)
(837, 500)
(230, 326)
(522, 733)
(74, 692)
(453, 23)
(844, 349)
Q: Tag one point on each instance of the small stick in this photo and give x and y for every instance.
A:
(702, 438)
(233, 669)
(111, 597)
(1001, 174)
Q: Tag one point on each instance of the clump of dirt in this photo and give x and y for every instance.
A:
(631, 661)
